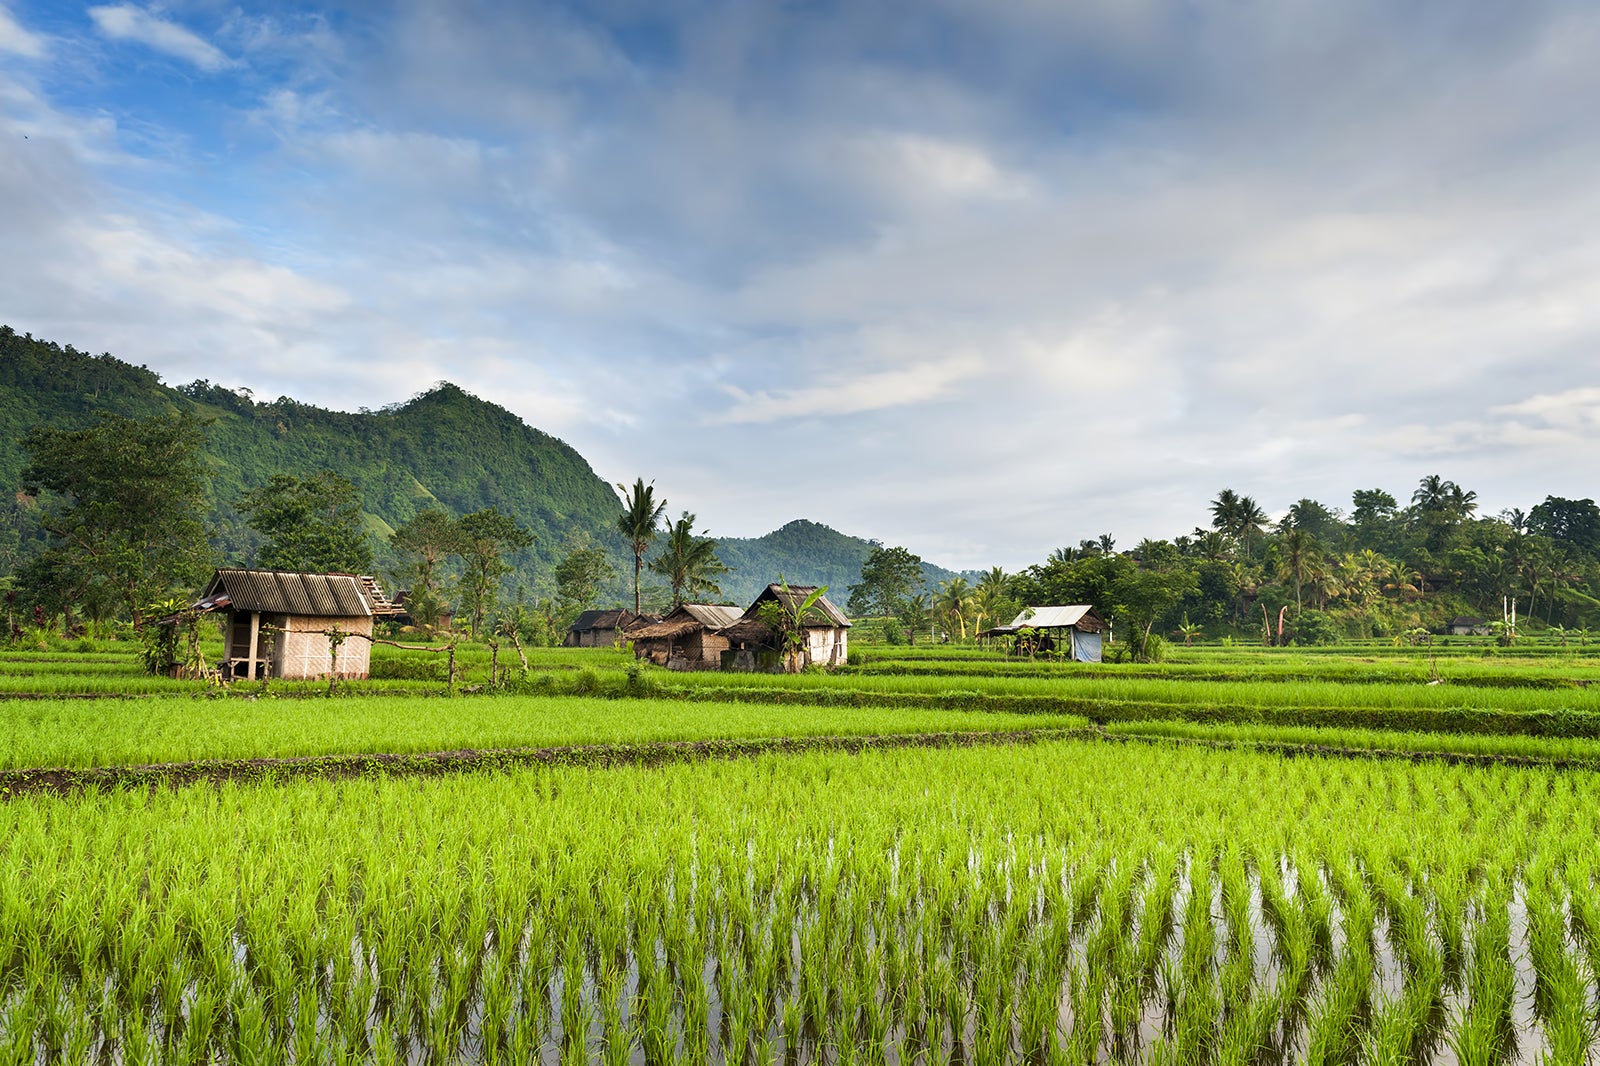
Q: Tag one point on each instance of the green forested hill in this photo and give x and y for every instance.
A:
(804, 553)
(443, 447)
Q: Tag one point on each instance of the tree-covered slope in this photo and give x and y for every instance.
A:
(444, 447)
(804, 553)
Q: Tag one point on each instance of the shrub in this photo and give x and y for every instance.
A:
(1315, 627)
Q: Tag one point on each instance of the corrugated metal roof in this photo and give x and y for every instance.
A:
(687, 618)
(288, 592)
(711, 615)
(831, 615)
(1050, 617)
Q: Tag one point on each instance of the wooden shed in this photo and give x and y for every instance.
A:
(601, 629)
(754, 646)
(278, 621)
(690, 638)
(1070, 629)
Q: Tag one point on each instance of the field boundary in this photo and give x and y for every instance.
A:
(20, 782)
(23, 781)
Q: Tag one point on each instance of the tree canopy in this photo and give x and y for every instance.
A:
(312, 523)
(121, 501)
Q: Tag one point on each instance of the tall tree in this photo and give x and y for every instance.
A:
(487, 536)
(1299, 552)
(641, 515)
(689, 562)
(122, 505)
(888, 577)
(424, 544)
(312, 524)
(580, 574)
(1225, 513)
(954, 601)
(1252, 519)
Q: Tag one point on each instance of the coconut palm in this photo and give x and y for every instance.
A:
(689, 563)
(641, 514)
(1252, 519)
(954, 601)
(1299, 552)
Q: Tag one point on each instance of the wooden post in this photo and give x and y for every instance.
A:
(255, 637)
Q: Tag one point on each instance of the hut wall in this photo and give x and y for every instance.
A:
(827, 646)
(303, 648)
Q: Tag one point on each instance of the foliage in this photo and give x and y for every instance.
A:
(913, 616)
(121, 507)
(1315, 628)
(1141, 597)
(889, 576)
(581, 573)
(689, 563)
(641, 515)
(786, 615)
(486, 538)
(311, 524)
(423, 546)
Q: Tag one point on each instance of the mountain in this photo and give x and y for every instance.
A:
(804, 553)
(444, 447)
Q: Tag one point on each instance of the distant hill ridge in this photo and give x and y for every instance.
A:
(443, 447)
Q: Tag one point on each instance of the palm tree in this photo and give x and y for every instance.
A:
(1299, 549)
(953, 602)
(689, 563)
(1225, 512)
(1252, 519)
(640, 516)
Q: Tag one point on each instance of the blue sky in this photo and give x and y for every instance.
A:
(982, 279)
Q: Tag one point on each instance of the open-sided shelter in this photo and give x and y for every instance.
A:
(754, 645)
(1076, 629)
(278, 622)
(689, 638)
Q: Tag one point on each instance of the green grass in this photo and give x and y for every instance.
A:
(1583, 750)
(89, 733)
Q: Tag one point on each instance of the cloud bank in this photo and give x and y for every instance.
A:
(983, 282)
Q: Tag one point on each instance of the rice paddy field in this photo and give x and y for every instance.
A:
(1363, 854)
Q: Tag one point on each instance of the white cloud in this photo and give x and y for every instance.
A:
(17, 40)
(849, 393)
(125, 22)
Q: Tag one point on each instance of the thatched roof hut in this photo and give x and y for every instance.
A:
(687, 639)
(826, 636)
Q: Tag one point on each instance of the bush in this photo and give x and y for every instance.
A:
(407, 669)
(1315, 627)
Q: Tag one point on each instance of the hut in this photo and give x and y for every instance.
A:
(601, 629)
(1466, 626)
(1075, 630)
(278, 622)
(754, 646)
(690, 638)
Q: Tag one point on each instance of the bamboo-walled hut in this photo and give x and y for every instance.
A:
(752, 645)
(603, 629)
(690, 638)
(278, 622)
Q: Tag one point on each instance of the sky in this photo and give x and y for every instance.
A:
(982, 279)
